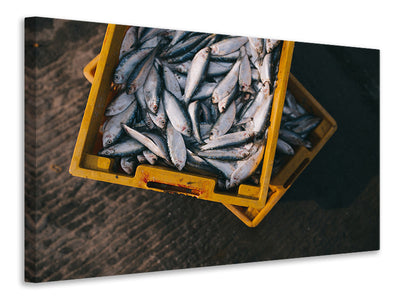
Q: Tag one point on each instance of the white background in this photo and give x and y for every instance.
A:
(370, 24)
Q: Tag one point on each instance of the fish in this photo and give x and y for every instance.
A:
(204, 91)
(138, 77)
(194, 111)
(228, 46)
(150, 156)
(231, 57)
(113, 130)
(152, 90)
(226, 85)
(196, 72)
(119, 104)
(229, 139)
(245, 168)
(176, 147)
(270, 44)
(128, 63)
(177, 114)
(183, 46)
(229, 153)
(146, 141)
(260, 118)
(171, 83)
(224, 167)
(124, 148)
(244, 73)
(129, 42)
(293, 138)
(128, 164)
(224, 121)
(283, 147)
(192, 53)
(160, 117)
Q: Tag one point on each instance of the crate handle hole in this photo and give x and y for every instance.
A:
(172, 188)
(299, 169)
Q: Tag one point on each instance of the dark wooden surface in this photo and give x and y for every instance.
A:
(77, 228)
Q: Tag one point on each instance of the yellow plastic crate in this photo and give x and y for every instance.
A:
(282, 181)
(86, 163)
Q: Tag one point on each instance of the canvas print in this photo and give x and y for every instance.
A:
(150, 149)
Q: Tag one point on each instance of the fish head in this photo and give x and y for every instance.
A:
(131, 89)
(186, 131)
(106, 152)
(118, 78)
(107, 140)
(214, 49)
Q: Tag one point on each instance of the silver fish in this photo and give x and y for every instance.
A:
(184, 46)
(216, 69)
(129, 42)
(266, 72)
(257, 44)
(113, 130)
(196, 72)
(224, 121)
(161, 143)
(124, 148)
(151, 43)
(139, 75)
(128, 63)
(293, 138)
(226, 85)
(260, 118)
(194, 111)
(244, 73)
(204, 91)
(249, 111)
(271, 44)
(128, 164)
(230, 153)
(176, 146)
(231, 57)
(245, 168)
(225, 167)
(171, 83)
(152, 90)
(160, 118)
(150, 156)
(307, 125)
(225, 102)
(227, 46)
(141, 159)
(283, 147)
(177, 114)
(178, 36)
(119, 104)
(192, 53)
(230, 139)
(146, 141)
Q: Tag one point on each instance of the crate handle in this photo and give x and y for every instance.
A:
(172, 188)
(159, 178)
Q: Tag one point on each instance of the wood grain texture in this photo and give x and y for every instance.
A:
(78, 228)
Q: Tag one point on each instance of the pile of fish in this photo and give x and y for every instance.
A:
(192, 101)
